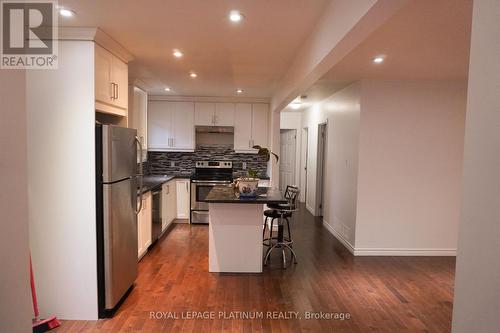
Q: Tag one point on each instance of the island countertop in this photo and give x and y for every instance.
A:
(225, 194)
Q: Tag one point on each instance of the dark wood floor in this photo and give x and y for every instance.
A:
(381, 294)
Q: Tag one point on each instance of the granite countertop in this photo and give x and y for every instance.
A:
(225, 194)
(152, 182)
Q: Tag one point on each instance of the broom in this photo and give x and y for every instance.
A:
(40, 326)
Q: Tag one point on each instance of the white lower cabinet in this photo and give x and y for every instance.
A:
(144, 222)
(183, 197)
(168, 204)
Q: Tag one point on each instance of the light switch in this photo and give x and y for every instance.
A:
(172, 163)
(244, 165)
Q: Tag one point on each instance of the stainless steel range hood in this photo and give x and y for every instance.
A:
(214, 129)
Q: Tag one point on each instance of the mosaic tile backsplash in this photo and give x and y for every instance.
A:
(160, 162)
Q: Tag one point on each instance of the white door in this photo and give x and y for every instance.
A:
(224, 114)
(204, 114)
(260, 122)
(183, 126)
(160, 115)
(242, 127)
(287, 158)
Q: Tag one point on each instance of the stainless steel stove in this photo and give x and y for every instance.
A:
(207, 175)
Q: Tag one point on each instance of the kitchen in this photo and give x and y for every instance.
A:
(129, 181)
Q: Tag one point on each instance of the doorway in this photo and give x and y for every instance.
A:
(320, 179)
(303, 167)
(288, 144)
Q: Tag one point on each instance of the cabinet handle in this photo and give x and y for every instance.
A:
(173, 142)
(116, 95)
(215, 119)
(168, 189)
(187, 188)
(112, 86)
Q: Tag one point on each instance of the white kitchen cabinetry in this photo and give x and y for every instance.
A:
(183, 191)
(169, 203)
(250, 127)
(170, 126)
(138, 117)
(214, 114)
(111, 83)
(144, 222)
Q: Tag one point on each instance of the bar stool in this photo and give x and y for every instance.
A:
(283, 212)
(273, 215)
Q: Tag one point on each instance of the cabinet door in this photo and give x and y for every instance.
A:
(148, 219)
(119, 76)
(224, 114)
(183, 126)
(102, 71)
(204, 114)
(168, 209)
(242, 126)
(137, 117)
(260, 124)
(160, 115)
(182, 199)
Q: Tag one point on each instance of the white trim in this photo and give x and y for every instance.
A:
(339, 237)
(99, 37)
(410, 252)
(405, 252)
(213, 99)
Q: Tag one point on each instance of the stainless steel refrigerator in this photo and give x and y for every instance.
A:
(117, 180)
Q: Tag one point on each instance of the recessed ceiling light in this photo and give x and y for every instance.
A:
(167, 89)
(235, 16)
(177, 53)
(239, 91)
(378, 59)
(193, 74)
(66, 12)
(295, 105)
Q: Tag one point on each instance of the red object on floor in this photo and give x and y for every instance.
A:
(45, 324)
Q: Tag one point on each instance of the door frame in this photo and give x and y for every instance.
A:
(304, 156)
(321, 168)
(282, 130)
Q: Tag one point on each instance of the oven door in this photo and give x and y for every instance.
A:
(199, 191)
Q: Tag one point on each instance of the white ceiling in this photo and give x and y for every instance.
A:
(252, 55)
(425, 40)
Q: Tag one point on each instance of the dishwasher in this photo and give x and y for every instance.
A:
(156, 215)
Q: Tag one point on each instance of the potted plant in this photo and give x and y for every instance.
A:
(247, 186)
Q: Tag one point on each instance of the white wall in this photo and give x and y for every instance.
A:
(342, 112)
(15, 299)
(273, 168)
(61, 156)
(477, 279)
(410, 167)
(293, 120)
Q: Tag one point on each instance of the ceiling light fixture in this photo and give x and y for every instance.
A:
(235, 16)
(295, 105)
(167, 89)
(177, 53)
(378, 59)
(239, 91)
(66, 12)
(193, 74)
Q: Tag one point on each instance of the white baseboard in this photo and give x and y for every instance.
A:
(340, 238)
(409, 252)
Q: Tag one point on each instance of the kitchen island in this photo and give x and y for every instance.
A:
(235, 229)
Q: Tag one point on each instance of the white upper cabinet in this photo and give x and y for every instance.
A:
(224, 114)
(250, 126)
(214, 114)
(111, 83)
(170, 126)
(260, 120)
(138, 117)
(204, 114)
(242, 127)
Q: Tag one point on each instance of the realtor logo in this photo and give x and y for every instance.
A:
(29, 34)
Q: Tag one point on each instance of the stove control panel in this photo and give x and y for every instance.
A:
(214, 164)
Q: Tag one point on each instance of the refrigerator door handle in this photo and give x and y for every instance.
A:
(138, 208)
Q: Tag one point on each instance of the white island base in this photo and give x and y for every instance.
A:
(235, 238)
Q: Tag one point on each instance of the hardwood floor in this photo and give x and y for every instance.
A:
(381, 294)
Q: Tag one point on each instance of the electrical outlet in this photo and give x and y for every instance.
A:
(244, 165)
(172, 163)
